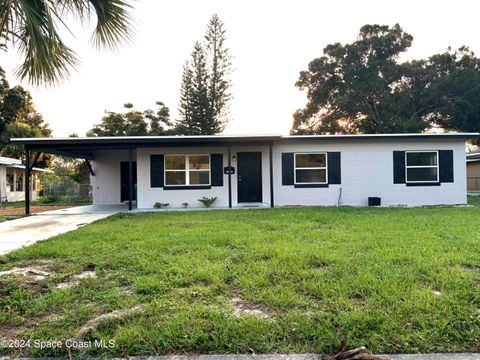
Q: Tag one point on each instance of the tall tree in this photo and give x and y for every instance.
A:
(458, 90)
(196, 116)
(361, 87)
(32, 28)
(220, 69)
(186, 124)
(160, 123)
(205, 90)
(18, 118)
(134, 123)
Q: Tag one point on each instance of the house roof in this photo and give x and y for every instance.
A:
(16, 163)
(34, 169)
(9, 161)
(83, 147)
(473, 156)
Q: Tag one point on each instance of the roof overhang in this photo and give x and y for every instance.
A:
(373, 137)
(22, 167)
(86, 146)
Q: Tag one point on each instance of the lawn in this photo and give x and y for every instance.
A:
(270, 280)
(50, 200)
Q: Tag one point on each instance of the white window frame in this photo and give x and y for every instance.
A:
(310, 168)
(187, 170)
(421, 166)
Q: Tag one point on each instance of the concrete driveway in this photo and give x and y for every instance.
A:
(26, 231)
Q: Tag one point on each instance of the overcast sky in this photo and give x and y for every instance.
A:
(271, 41)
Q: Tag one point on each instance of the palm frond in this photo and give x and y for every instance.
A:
(47, 58)
(114, 23)
(31, 26)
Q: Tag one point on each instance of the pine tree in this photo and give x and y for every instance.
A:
(194, 105)
(186, 100)
(219, 71)
(204, 94)
(201, 112)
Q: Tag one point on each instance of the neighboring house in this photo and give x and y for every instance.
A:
(12, 180)
(271, 170)
(473, 171)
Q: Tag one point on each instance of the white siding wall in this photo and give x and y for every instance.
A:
(106, 182)
(148, 196)
(13, 196)
(367, 170)
(366, 166)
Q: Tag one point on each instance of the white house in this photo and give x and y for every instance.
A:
(12, 180)
(271, 170)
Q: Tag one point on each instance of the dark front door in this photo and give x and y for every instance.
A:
(124, 180)
(249, 176)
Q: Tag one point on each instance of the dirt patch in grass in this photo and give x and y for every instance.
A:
(245, 308)
(33, 209)
(117, 314)
(29, 272)
(32, 272)
(76, 279)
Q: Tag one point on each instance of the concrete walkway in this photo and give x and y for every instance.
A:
(26, 231)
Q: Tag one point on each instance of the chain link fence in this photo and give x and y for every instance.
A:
(63, 189)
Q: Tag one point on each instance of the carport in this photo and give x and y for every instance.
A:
(80, 148)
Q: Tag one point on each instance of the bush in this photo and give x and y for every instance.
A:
(49, 199)
(207, 202)
(158, 205)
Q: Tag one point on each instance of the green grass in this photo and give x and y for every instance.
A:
(48, 200)
(322, 274)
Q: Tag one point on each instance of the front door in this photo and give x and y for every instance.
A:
(124, 180)
(249, 177)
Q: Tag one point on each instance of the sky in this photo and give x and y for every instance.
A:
(271, 41)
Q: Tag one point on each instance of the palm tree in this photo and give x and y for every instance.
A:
(32, 27)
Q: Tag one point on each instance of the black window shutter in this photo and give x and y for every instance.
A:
(399, 167)
(445, 165)
(216, 167)
(156, 171)
(334, 168)
(287, 169)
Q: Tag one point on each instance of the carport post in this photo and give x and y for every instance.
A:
(229, 155)
(130, 179)
(27, 181)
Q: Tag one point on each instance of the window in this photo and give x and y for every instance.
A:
(19, 185)
(421, 166)
(10, 183)
(187, 170)
(310, 168)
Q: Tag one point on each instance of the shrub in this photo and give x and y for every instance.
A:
(49, 199)
(207, 202)
(159, 205)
